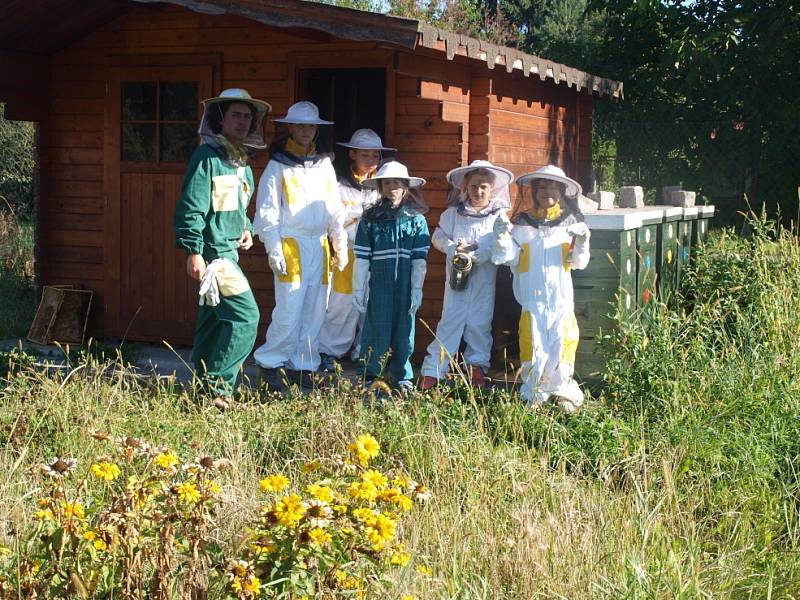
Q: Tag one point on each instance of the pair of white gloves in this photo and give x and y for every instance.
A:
(209, 284)
(577, 230)
(277, 261)
(361, 274)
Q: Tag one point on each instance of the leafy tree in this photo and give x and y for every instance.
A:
(16, 164)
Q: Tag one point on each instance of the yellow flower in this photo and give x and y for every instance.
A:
(99, 545)
(339, 508)
(399, 558)
(211, 487)
(424, 570)
(409, 597)
(380, 531)
(400, 481)
(318, 536)
(44, 515)
(365, 448)
(365, 515)
(187, 492)
(250, 586)
(263, 545)
(396, 497)
(320, 492)
(72, 509)
(376, 478)
(167, 460)
(44, 502)
(363, 490)
(89, 535)
(274, 483)
(105, 470)
(318, 513)
(310, 467)
(289, 510)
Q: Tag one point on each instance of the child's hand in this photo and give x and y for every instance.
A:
(501, 225)
(416, 301)
(579, 230)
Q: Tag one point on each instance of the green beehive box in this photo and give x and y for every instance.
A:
(685, 228)
(610, 277)
(667, 254)
(647, 254)
(700, 228)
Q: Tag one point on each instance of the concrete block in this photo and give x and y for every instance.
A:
(683, 198)
(586, 204)
(666, 193)
(631, 196)
(605, 200)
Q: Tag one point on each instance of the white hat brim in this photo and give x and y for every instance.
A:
(259, 104)
(456, 176)
(355, 147)
(413, 182)
(306, 122)
(573, 187)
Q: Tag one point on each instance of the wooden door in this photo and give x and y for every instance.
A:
(152, 116)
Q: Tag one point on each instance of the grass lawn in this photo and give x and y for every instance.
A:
(680, 480)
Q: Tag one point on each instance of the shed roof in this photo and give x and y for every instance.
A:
(43, 26)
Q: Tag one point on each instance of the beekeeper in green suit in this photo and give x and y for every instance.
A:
(211, 224)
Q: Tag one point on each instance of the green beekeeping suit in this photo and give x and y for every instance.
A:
(210, 218)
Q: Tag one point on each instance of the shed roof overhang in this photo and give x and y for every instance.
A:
(32, 29)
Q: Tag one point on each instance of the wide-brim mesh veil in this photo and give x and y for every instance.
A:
(500, 198)
(523, 201)
(414, 201)
(256, 139)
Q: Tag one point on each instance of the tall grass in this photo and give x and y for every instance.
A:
(17, 301)
(680, 480)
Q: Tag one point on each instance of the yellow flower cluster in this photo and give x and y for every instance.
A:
(188, 493)
(365, 448)
(274, 483)
(105, 470)
(289, 510)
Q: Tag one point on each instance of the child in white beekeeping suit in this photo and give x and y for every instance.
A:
(465, 231)
(343, 322)
(544, 239)
(298, 208)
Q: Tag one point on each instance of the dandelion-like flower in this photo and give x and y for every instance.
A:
(399, 558)
(263, 545)
(188, 493)
(311, 466)
(318, 514)
(105, 470)
(380, 531)
(376, 478)
(167, 460)
(58, 468)
(319, 537)
(365, 515)
(44, 514)
(274, 483)
(320, 492)
(396, 497)
(73, 510)
(424, 570)
(365, 447)
(289, 510)
(363, 490)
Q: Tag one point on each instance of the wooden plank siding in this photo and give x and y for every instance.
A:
(440, 114)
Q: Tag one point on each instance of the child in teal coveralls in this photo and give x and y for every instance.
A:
(391, 248)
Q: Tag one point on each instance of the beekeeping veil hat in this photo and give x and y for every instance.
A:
(255, 139)
(501, 180)
(393, 169)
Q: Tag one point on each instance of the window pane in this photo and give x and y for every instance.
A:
(178, 141)
(179, 101)
(139, 142)
(138, 101)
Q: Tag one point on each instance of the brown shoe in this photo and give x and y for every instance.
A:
(477, 378)
(427, 382)
(222, 403)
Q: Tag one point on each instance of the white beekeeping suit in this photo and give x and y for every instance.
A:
(343, 322)
(298, 209)
(541, 250)
(467, 313)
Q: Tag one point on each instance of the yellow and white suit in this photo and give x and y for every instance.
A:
(343, 322)
(541, 255)
(297, 208)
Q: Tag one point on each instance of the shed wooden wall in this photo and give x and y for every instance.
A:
(445, 114)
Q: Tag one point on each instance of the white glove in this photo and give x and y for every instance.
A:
(452, 248)
(209, 286)
(360, 275)
(579, 230)
(277, 262)
(418, 269)
(341, 259)
(501, 225)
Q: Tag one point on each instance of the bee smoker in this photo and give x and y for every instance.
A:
(461, 267)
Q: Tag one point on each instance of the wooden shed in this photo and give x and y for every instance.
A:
(115, 85)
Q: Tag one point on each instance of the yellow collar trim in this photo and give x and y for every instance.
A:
(359, 178)
(296, 149)
(547, 214)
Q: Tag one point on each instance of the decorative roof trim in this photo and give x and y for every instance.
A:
(454, 44)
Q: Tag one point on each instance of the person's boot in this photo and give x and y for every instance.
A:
(428, 383)
(477, 377)
(275, 378)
